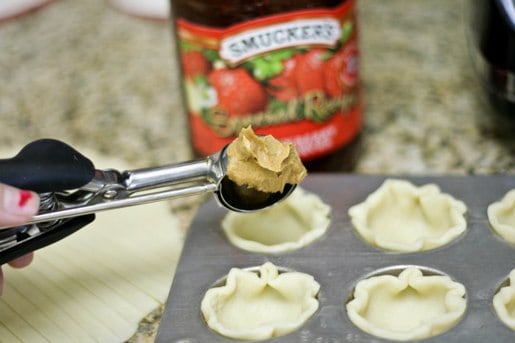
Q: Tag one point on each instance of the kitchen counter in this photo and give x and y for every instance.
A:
(84, 73)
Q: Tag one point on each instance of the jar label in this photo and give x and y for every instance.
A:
(241, 46)
(293, 75)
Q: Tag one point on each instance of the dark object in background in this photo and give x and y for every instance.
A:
(492, 29)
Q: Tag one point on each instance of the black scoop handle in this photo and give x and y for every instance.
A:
(46, 238)
(47, 165)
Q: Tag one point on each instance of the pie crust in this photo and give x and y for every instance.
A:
(501, 215)
(291, 224)
(504, 302)
(400, 216)
(255, 306)
(408, 306)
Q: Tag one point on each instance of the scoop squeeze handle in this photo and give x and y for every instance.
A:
(47, 165)
(41, 241)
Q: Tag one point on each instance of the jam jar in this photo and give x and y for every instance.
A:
(286, 68)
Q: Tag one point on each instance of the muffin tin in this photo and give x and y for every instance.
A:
(479, 259)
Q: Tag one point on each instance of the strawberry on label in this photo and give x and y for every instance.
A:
(284, 85)
(310, 71)
(237, 92)
(194, 63)
(341, 72)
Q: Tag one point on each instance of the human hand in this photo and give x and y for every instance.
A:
(16, 207)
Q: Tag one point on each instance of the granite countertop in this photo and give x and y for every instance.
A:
(84, 73)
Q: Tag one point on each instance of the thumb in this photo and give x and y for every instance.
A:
(17, 206)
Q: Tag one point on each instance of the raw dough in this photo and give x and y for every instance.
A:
(263, 163)
(501, 215)
(291, 224)
(408, 307)
(402, 217)
(504, 302)
(262, 305)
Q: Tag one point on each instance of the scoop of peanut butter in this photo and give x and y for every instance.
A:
(263, 163)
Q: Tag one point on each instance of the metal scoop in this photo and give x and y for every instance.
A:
(69, 186)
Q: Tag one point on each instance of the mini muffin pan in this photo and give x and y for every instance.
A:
(479, 259)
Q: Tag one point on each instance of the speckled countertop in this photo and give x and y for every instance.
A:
(84, 73)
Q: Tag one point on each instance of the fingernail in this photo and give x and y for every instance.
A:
(25, 196)
(18, 201)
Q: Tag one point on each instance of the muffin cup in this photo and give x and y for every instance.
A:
(260, 303)
(406, 303)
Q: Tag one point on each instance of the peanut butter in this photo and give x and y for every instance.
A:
(263, 163)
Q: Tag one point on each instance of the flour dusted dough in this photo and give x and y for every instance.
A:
(504, 302)
(408, 307)
(501, 215)
(402, 217)
(291, 224)
(254, 306)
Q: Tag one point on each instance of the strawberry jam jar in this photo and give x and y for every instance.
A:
(286, 68)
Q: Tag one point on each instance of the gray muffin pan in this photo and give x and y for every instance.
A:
(479, 259)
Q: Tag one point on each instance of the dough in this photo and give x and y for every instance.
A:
(410, 306)
(262, 305)
(289, 225)
(263, 163)
(399, 216)
(501, 216)
(504, 302)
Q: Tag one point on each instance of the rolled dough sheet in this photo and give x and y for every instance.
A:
(97, 284)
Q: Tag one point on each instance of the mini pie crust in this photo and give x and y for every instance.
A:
(399, 216)
(255, 306)
(504, 302)
(291, 224)
(501, 216)
(407, 307)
